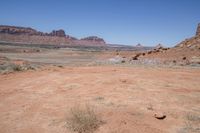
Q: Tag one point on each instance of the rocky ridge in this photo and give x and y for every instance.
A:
(32, 36)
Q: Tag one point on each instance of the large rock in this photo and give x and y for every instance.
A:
(198, 30)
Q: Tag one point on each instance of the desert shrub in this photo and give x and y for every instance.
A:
(83, 120)
(60, 66)
(2, 68)
(123, 61)
(9, 68)
(17, 68)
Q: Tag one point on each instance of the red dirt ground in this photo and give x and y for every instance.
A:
(126, 98)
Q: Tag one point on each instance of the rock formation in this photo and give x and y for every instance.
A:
(60, 33)
(139, 45)
(193, 42)
(198, 30)
(159, 46)
(32, 36)
(93, 39)
(185, 53)
(17, 30)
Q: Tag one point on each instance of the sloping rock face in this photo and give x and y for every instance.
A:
(32, 36)
(185, 53)
(193, 42)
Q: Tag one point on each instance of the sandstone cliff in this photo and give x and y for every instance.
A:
(32, 36)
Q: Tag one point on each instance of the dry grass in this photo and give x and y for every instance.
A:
(83, 120)
(192, 124)
(9, 68)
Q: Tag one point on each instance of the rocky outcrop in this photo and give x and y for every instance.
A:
(18, 30)
(139, 45)
(93, 39)
(159, 46)
(29, 31)
(32, 36)
(185, 53)
(193, 42)
(60, 33)
(198, 30)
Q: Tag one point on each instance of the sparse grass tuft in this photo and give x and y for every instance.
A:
(99, 98)
(193, 117)
(192, 124)
(83, 120)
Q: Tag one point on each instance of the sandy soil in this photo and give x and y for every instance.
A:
(126, 98)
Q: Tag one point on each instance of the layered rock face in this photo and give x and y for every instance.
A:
(32, 36)
(18, 30)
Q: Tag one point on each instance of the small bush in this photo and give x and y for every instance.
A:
(83, 120)
(9, 68)
(17, 68)
(123, 61)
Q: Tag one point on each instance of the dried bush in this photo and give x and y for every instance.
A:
(83, 120)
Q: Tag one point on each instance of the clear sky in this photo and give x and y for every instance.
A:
(148, 22)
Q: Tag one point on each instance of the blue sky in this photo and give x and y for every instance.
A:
(148, 22)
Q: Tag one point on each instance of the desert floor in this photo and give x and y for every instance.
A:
(125, 97)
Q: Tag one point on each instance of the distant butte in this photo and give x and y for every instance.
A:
(32, 36)
(139, 45)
